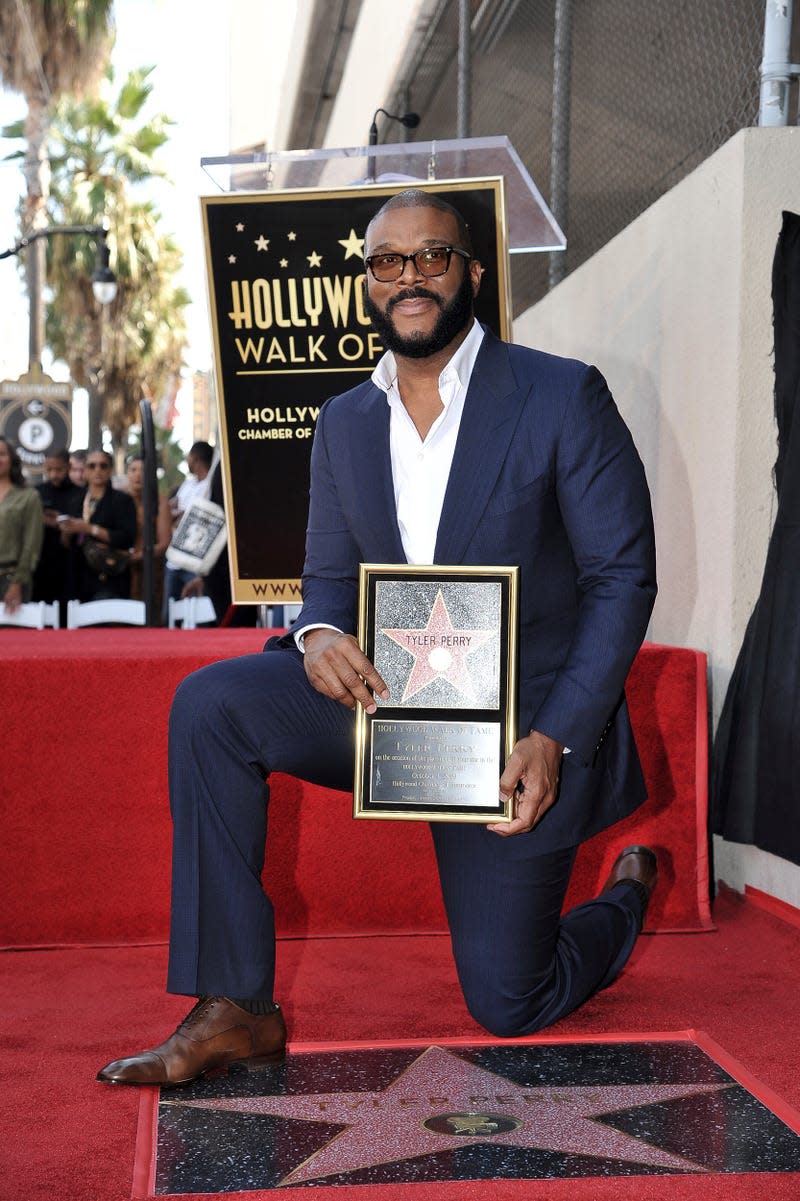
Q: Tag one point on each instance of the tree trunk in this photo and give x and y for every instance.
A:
(37, 185)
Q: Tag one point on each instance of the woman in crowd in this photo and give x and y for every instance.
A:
(100, 540)
(163, 533)
(21, 530)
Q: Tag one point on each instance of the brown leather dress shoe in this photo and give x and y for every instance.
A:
(635, 863)
(215, 1033)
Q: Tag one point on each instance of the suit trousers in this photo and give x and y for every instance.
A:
(520, 963)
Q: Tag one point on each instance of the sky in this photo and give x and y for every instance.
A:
(187, 43)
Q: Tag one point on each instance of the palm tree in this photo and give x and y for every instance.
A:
(100, 150)
(48, 48)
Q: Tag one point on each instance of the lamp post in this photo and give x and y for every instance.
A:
(104, 287)
(104, 281)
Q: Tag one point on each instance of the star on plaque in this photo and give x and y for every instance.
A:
(442, 1102)
(353, 245)
(314, 259)
(439, 651)
(284, 262)
(261, 243)
(240, 228)
(231, 258)
(291, 236)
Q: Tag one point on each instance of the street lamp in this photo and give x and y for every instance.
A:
(104, 287)
(104, 281)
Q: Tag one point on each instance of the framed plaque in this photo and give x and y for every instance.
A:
(444, 639)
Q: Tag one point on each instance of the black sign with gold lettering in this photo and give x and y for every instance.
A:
(286, 278)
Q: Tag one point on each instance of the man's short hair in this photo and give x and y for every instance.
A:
(416, 198)
(204, 452)
(61, 453)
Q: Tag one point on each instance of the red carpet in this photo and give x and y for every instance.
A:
(65, 1013)
(85, 859)
(83, 805)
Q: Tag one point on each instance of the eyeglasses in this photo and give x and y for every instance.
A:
(98, 466)
(430, 262)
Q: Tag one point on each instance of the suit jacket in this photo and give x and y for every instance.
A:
(116, 512)
(544, 476)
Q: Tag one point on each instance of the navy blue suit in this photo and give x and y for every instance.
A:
(544, 476)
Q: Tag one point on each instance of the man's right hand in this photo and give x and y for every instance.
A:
(338, 668)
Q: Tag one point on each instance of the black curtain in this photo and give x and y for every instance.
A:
(756, 782)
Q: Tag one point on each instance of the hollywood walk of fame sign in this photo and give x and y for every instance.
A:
(286, 287)
(659, 1106)
(444, 640)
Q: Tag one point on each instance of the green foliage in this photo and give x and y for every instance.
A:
(48, 47)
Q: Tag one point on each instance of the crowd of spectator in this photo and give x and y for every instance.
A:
(79, 534)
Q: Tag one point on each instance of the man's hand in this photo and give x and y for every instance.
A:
(13, 598)
(338, 668)
(531, 774)
(195, 587)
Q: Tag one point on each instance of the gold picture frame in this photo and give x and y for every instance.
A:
(444, 640)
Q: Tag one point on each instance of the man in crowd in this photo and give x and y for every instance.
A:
(77, 468)
(198, 461)
(461, 449)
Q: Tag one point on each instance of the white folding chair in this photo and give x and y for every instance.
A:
(279, 616)
(35, 615)
(191, 612)
(112, 611)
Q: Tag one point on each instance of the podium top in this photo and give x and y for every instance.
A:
(531, 225)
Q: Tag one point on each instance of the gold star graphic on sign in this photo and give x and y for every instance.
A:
(442, 1102)
(284, 262)
(231, 258)
(240, 228)
(262, 243)
(353, 245)
(291, 236)
(314, 259)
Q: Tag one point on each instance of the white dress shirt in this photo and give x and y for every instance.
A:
(421, 466)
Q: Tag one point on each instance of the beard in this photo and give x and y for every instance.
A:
(452, 319)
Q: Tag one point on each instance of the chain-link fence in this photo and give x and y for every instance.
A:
(655, 89)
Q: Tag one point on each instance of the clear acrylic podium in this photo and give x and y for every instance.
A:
(530, 224)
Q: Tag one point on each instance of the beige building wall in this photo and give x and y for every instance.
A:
(380, 41)
(676, 311)
(267, 44)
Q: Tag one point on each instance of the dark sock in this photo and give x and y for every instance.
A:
(257, 1008)
(642, 894)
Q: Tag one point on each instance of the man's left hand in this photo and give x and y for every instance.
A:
(531, 774)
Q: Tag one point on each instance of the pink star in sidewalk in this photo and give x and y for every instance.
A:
(439, 651)
(441, 1102)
